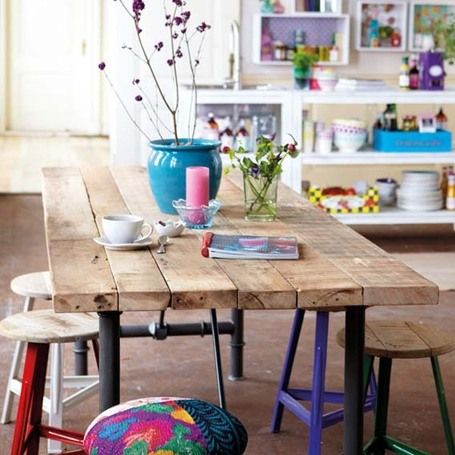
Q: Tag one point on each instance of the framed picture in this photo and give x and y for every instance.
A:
(424, 20)
(381, 26)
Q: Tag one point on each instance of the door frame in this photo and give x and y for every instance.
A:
(95, 36)
(3, 63)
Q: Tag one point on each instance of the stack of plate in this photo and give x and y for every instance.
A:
(420, 191)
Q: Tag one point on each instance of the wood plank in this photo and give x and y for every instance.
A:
(439, 341)
(398, 339)
(384, 280)
(318, 282)
(194, 281)
(140, 284)
(81, 277)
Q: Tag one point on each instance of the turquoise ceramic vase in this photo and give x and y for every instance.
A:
(167, 165)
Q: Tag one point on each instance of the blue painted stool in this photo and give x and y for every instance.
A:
(290, 398)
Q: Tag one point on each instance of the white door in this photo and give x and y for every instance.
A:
(53, 79)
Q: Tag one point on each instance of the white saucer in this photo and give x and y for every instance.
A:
(103, 241)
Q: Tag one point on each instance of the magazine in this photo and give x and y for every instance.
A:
(249, 247)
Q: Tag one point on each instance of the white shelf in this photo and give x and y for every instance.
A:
(289, 63)
(394, 215)
(380, 49)
(305, 14)
(373, 158)
(388, 95)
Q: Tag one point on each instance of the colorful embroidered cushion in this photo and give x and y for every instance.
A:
(165, 426)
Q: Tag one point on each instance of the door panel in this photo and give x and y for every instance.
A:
(51, 71)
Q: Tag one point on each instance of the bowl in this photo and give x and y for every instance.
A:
(197, 217)
(170, 228)
(349, 141)
(326, 85)
(350, 122)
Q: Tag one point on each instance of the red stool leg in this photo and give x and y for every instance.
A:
(26, 431)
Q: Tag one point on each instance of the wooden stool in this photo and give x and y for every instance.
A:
(34, 286)
(178, 426)
(390, 340)
(38, 329)
(290, 398)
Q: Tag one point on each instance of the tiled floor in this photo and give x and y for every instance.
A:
(184, 366)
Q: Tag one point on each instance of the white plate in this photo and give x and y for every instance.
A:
(103, 241)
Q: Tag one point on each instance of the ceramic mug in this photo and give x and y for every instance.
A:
(120, 229)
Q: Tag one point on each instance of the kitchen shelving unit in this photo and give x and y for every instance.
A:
(292, 103)
(294, 173)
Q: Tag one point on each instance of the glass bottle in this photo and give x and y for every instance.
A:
(243, 137)
(227, 135)
(213, 132)
(441, 120)
(404, 74)
(413, 74)
(390, 118)
(450, 199)
(444, 182)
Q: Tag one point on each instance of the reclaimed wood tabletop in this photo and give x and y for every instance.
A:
(338, 269)
(337, 266)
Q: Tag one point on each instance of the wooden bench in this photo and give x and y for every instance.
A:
(38, 329)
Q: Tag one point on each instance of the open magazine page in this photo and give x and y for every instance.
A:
(252, 247)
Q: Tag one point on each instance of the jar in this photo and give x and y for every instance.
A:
(290, 51)
(279, 51)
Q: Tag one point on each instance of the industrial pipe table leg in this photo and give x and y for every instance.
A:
(109, 373)
(80, 350)
(217, 356)
(237, 343)
(353, 380)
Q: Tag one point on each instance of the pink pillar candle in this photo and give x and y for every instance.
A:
(197, 186)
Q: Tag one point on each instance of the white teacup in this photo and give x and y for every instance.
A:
(125, 228)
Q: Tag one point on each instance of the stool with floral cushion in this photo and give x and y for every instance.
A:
(165, 426)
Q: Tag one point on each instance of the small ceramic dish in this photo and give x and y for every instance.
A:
(170, 228)
(138, 244)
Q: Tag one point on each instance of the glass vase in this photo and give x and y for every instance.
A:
(260, 196)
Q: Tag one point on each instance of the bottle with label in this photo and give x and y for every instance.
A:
(308, 136)
(444, 182)
(334, 54)
(441, 120)
(227, 136)
(266, 44)
(404, 74)
(413, 74)
(243, 137)
(212, 131)
(391, 118)
(450, 200)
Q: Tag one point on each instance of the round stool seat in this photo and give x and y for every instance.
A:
(36, 285)
(404, 340)
(178, 426)
(46, 326)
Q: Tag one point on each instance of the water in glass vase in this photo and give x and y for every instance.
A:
(260, 195)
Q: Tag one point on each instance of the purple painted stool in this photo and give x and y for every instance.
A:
(290, 398)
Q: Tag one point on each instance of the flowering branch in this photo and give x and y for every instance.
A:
(179, 34)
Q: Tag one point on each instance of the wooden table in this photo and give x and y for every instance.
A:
(338, 270)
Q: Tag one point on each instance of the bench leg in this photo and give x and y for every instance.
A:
(288, 363)
(31, 400)
(217, 358)
(15, 368)
(382, 404)
(318, 387)
(443, 405)
(56, 395)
